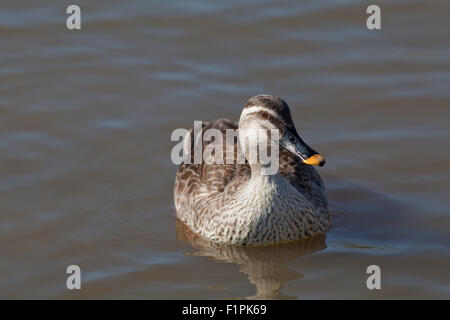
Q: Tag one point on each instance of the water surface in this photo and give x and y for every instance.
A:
(85, 124)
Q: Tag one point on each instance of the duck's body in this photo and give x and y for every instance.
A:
(238, 204)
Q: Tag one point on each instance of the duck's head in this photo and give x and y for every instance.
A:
(266, 112)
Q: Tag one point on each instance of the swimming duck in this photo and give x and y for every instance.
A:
(239, 204)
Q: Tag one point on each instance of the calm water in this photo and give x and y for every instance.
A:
(85, 124)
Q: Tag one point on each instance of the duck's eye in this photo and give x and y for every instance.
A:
(292, 138)
(265, 115)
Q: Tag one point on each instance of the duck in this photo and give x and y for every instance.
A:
(238, 203)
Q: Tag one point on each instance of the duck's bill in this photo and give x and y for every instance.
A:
(293, 143)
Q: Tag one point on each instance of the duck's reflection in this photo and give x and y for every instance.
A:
(266, 267)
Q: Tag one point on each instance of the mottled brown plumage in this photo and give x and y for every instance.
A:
(226, 203)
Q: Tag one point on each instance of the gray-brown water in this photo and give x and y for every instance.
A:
(85, 123)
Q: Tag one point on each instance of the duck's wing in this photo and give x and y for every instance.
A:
(195, 181)
(215, 175)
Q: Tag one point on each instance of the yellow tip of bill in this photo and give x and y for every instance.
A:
(315, 160)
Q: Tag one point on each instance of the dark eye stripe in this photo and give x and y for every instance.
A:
(273, 120)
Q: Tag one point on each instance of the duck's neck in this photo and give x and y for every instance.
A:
(263, 187)
(260, 171)
(257, 170)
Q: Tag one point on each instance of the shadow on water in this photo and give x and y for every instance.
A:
(266, 266)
